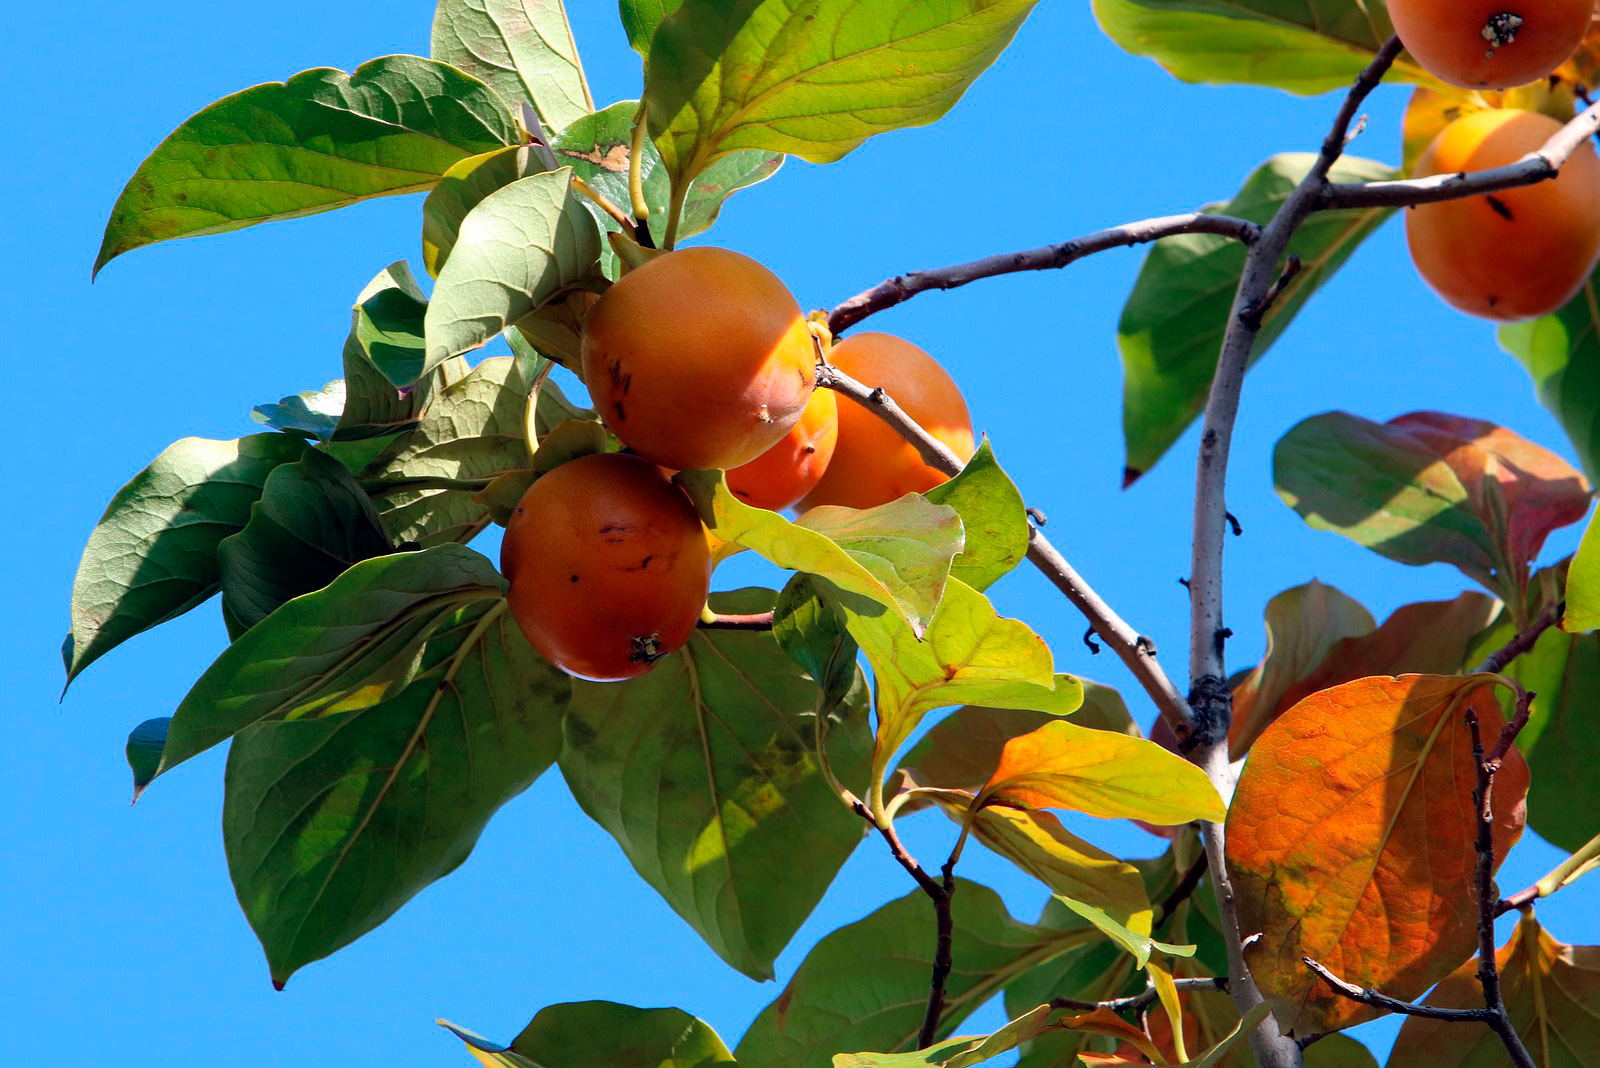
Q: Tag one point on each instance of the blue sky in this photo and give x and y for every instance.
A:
(123, 941)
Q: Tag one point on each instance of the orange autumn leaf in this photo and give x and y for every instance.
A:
(1350, 841)
(1552, 994)
(1103, 1021)
(1103, 773)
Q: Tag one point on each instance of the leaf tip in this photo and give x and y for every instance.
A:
(1130, 475)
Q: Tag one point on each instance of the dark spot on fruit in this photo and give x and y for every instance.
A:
(646, 650)
(574, 578)
(617, 407)
(645, 562)
(810, 449)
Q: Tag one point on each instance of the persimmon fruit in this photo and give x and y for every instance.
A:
(699, 358)
(1515, 254)
(872, 464)
(786, 472)
(608, 565)
(1490, 44)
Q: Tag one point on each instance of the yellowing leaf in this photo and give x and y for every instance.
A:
(1552, 994)
(1350, 841)
(1062, 765)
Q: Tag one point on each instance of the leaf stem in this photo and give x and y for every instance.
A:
(604, 203)
(641, 207)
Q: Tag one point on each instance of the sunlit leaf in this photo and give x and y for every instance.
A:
(958, 1052)
(897, 554)
(1303, 623)
(1091, 969)
(1218, 1054)
(321, 140)
(1562, 354)
(1429, 638)
(518, 248)
(865, 985)
(1172, 325)
(1063, 765)
(313, 521)
(523, 49)
(993, 516)
(313, 412)
(604, 1034)
(1303, 47)
(462, 188)
(705, 773)
(1429, 487)
(815, 78)
(348, 646)
(153, 555)
(640, 19)
(1551, 992)
(1350, 841)
(1583, 582)
(332, 823)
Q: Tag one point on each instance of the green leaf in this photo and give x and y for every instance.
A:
(598, 147)
(1172, 326)
(348, 646)
(968, 655)
(313, 521)
(522, 49)
(313, 413)
(332, 823)
(604, 1034)
(1562, 354)
(1429, 487)
(704, 772)
(462, 188)
(865, 986)
(518, 248)
(897, 554)
(992, 515)
(1583, 582)
(144, 751)
(473, 429)
(385, 337)
(640, 19)
(813, 78)
(1308, 47)
(813, 634)
(958, 1052)
(153, 555)
(319, 141)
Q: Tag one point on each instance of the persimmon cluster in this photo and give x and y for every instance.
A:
(1525, 252)
(696, 359)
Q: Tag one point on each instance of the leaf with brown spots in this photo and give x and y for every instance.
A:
(1552, 994)
(1350, 841)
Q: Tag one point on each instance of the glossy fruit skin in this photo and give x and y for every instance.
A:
(699, 358)
(1511, 255)
(1447, 37)
(608, 565)
(872, 464)
(786, 472)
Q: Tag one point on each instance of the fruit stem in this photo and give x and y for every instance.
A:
(641, 207)
(605, 204)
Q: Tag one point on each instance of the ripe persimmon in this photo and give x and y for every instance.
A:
(699, 358)
(1488, 44)
(608, 565)
(1515, 254)
(872, 464)
(786, 472)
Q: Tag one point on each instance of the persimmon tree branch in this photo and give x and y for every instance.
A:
(1520, 643)
(1535, 167)
(1210, 698)
(1379, 1000)
(1140, 1000)
(1135, 650)
(903, 287)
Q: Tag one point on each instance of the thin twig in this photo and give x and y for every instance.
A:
(1533, 168)
(737, 621)
(1134, 651)
(1377, 1000)
(1140, 1000)
(903, 287)
(939, 893)
(1483, 880)
(1496, 661)
(1580, 863)
(1210, 698)
(1184, 890)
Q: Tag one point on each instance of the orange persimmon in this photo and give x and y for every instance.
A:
(1515, 254)
(608, 565)
(788, 471)
(1488, 44)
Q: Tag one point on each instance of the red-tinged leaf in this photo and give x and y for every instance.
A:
(1103, 1021)
(1552, 994)
(1428, 638)
(1350, 841)
(1217, 1054)
(1429, 487)
(1303, 623)
(1062, 765)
